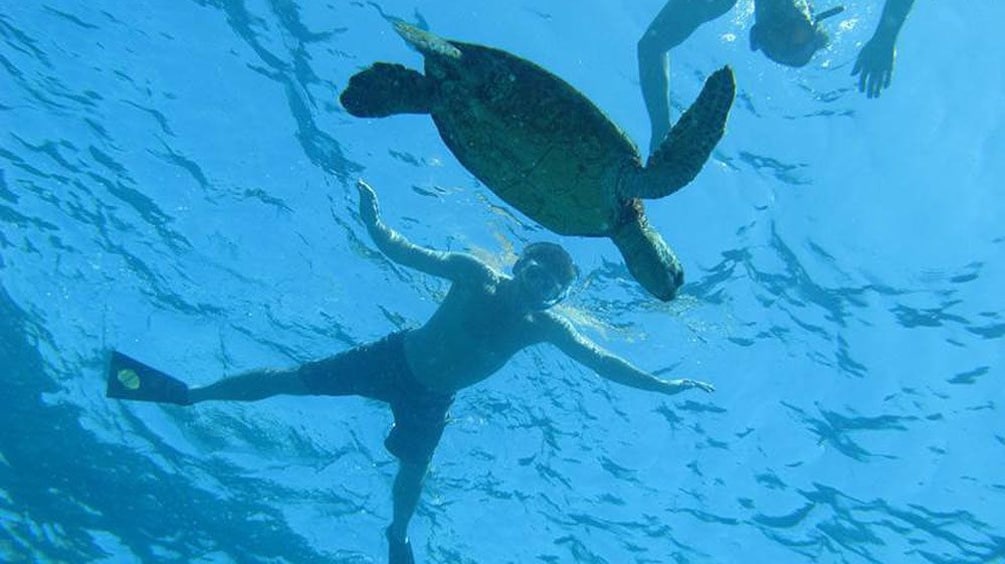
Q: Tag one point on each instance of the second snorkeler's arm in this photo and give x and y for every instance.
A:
(874, 64)
(676, 22)
(396, 247)
(894, 14)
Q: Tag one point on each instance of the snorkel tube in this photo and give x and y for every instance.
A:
(827, 14)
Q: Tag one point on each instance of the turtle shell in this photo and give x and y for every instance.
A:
(533, 139)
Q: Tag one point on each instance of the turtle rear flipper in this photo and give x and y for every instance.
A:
(687, 146)
(648, 257)
(386, 89)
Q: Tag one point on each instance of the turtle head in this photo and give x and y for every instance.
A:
(544, 274)
(647, 256)
(788, 33)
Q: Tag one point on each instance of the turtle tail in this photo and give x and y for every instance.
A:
(386, 89)
(648, 257)
(684, 150)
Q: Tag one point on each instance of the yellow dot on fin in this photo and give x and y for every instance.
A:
(129, 378)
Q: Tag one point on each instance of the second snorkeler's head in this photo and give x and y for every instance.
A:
(787, 31)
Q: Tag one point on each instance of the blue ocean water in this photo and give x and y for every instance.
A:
(176, 181)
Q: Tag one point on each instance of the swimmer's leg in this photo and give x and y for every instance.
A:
(407, 488)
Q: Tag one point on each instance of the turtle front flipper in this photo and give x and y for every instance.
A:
(386, 89)
(687, 146)
(648, 257)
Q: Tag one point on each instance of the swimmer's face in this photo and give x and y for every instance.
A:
(786, 39)
(542, 287)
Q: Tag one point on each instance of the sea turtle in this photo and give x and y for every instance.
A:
(544, 148)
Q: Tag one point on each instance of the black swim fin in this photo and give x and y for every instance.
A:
(399, 552)
(130, 379)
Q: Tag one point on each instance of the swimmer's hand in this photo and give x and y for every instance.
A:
(682, 384)
(369, 209)
(874, 66)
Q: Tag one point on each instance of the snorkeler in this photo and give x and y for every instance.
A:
(786, 31)
(485, 319)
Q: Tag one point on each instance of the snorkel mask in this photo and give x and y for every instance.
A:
(540, 284)
(545, 273)
(790, 35)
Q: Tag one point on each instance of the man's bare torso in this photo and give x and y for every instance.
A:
(475, 331)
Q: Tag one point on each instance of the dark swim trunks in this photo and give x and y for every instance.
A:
(379, 371)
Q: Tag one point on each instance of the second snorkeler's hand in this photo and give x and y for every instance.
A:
(874, 66)
(369, 209)
(682, 384)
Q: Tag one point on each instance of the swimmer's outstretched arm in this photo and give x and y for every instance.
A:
(874, 65)
(676, 22)
(452, 266)
(563, 335)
